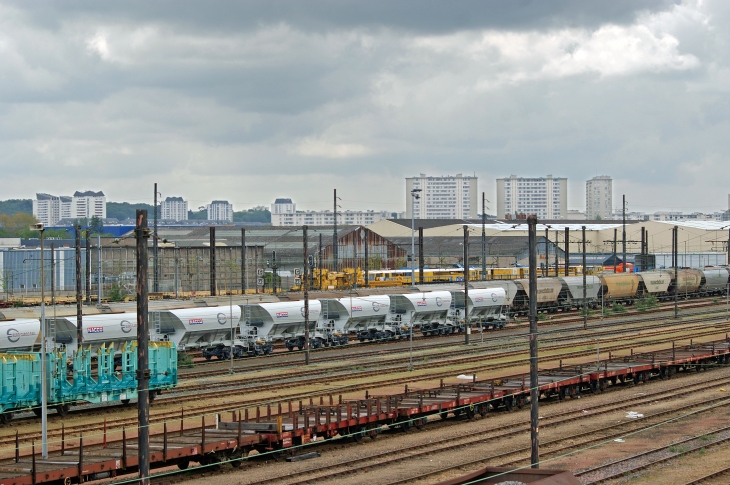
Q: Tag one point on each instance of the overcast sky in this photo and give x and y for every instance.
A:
(249, 101)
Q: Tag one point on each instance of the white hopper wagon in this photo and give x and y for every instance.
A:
(205, 328)
(427, 310)
(485, 307)
(19, 334)
(363, 316)
(102, 329)
(264, 323)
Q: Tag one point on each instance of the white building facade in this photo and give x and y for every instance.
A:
(49, 209)
(444, 197)
(174, 209)
(599, 198)
(284, 213)
(546, 197)
(220, 210)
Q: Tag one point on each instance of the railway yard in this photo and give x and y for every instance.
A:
(638, 396)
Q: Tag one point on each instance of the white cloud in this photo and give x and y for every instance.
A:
(312, 147)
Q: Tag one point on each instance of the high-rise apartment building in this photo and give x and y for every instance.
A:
(599, 198)
(49, 209)
(220, 210)
(284, 213)
(546, 197)
(174, 209)
(444, 197)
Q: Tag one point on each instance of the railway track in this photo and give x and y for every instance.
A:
(117, 424)
(295, 359)
(476, 437)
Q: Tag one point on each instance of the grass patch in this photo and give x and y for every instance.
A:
(647, 302)
(677, 449)
(184, 360)
(616, 308)
(707, 437)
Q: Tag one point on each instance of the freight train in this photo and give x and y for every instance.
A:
(252, 329)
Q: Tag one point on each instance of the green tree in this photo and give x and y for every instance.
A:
(14, 206)
(96, 225)
(125, 210)
(251, 215)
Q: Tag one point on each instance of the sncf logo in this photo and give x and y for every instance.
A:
(95, 330)
(421, 303)
(195, 321)
(356, 308)
(282, 314)
(478, 299)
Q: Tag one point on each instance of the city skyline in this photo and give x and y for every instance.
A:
(357, 99)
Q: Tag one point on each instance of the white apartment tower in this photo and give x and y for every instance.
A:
(444, 197)
(599, 198)
(174, 209)
(546, 197)
(49, 209)
(220, 210)
(284, 213)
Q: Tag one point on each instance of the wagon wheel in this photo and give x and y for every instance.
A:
(561, 394)
(6, 417)
(483, 409)
(373, 431)
(470, 411)
(508, 404)
(443, 414)
(38, 411)
(405, 426)
(520, 402)
(603, 385)
(357, 436)
(62, 409)
(420, 423)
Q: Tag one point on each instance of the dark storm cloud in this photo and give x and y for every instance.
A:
(420, 16)
(243, 100)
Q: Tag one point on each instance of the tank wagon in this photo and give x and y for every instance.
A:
(264, 323)
(21, 384)
(715, 281)
(428, 310)
(19, 334)
(485, 307)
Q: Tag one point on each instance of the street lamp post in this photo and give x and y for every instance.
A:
(44, 391)
(414, 198)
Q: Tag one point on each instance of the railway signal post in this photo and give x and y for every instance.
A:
(306, 295)
(467, 323)
(585, 303)
(143, 373)
(534, 384)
